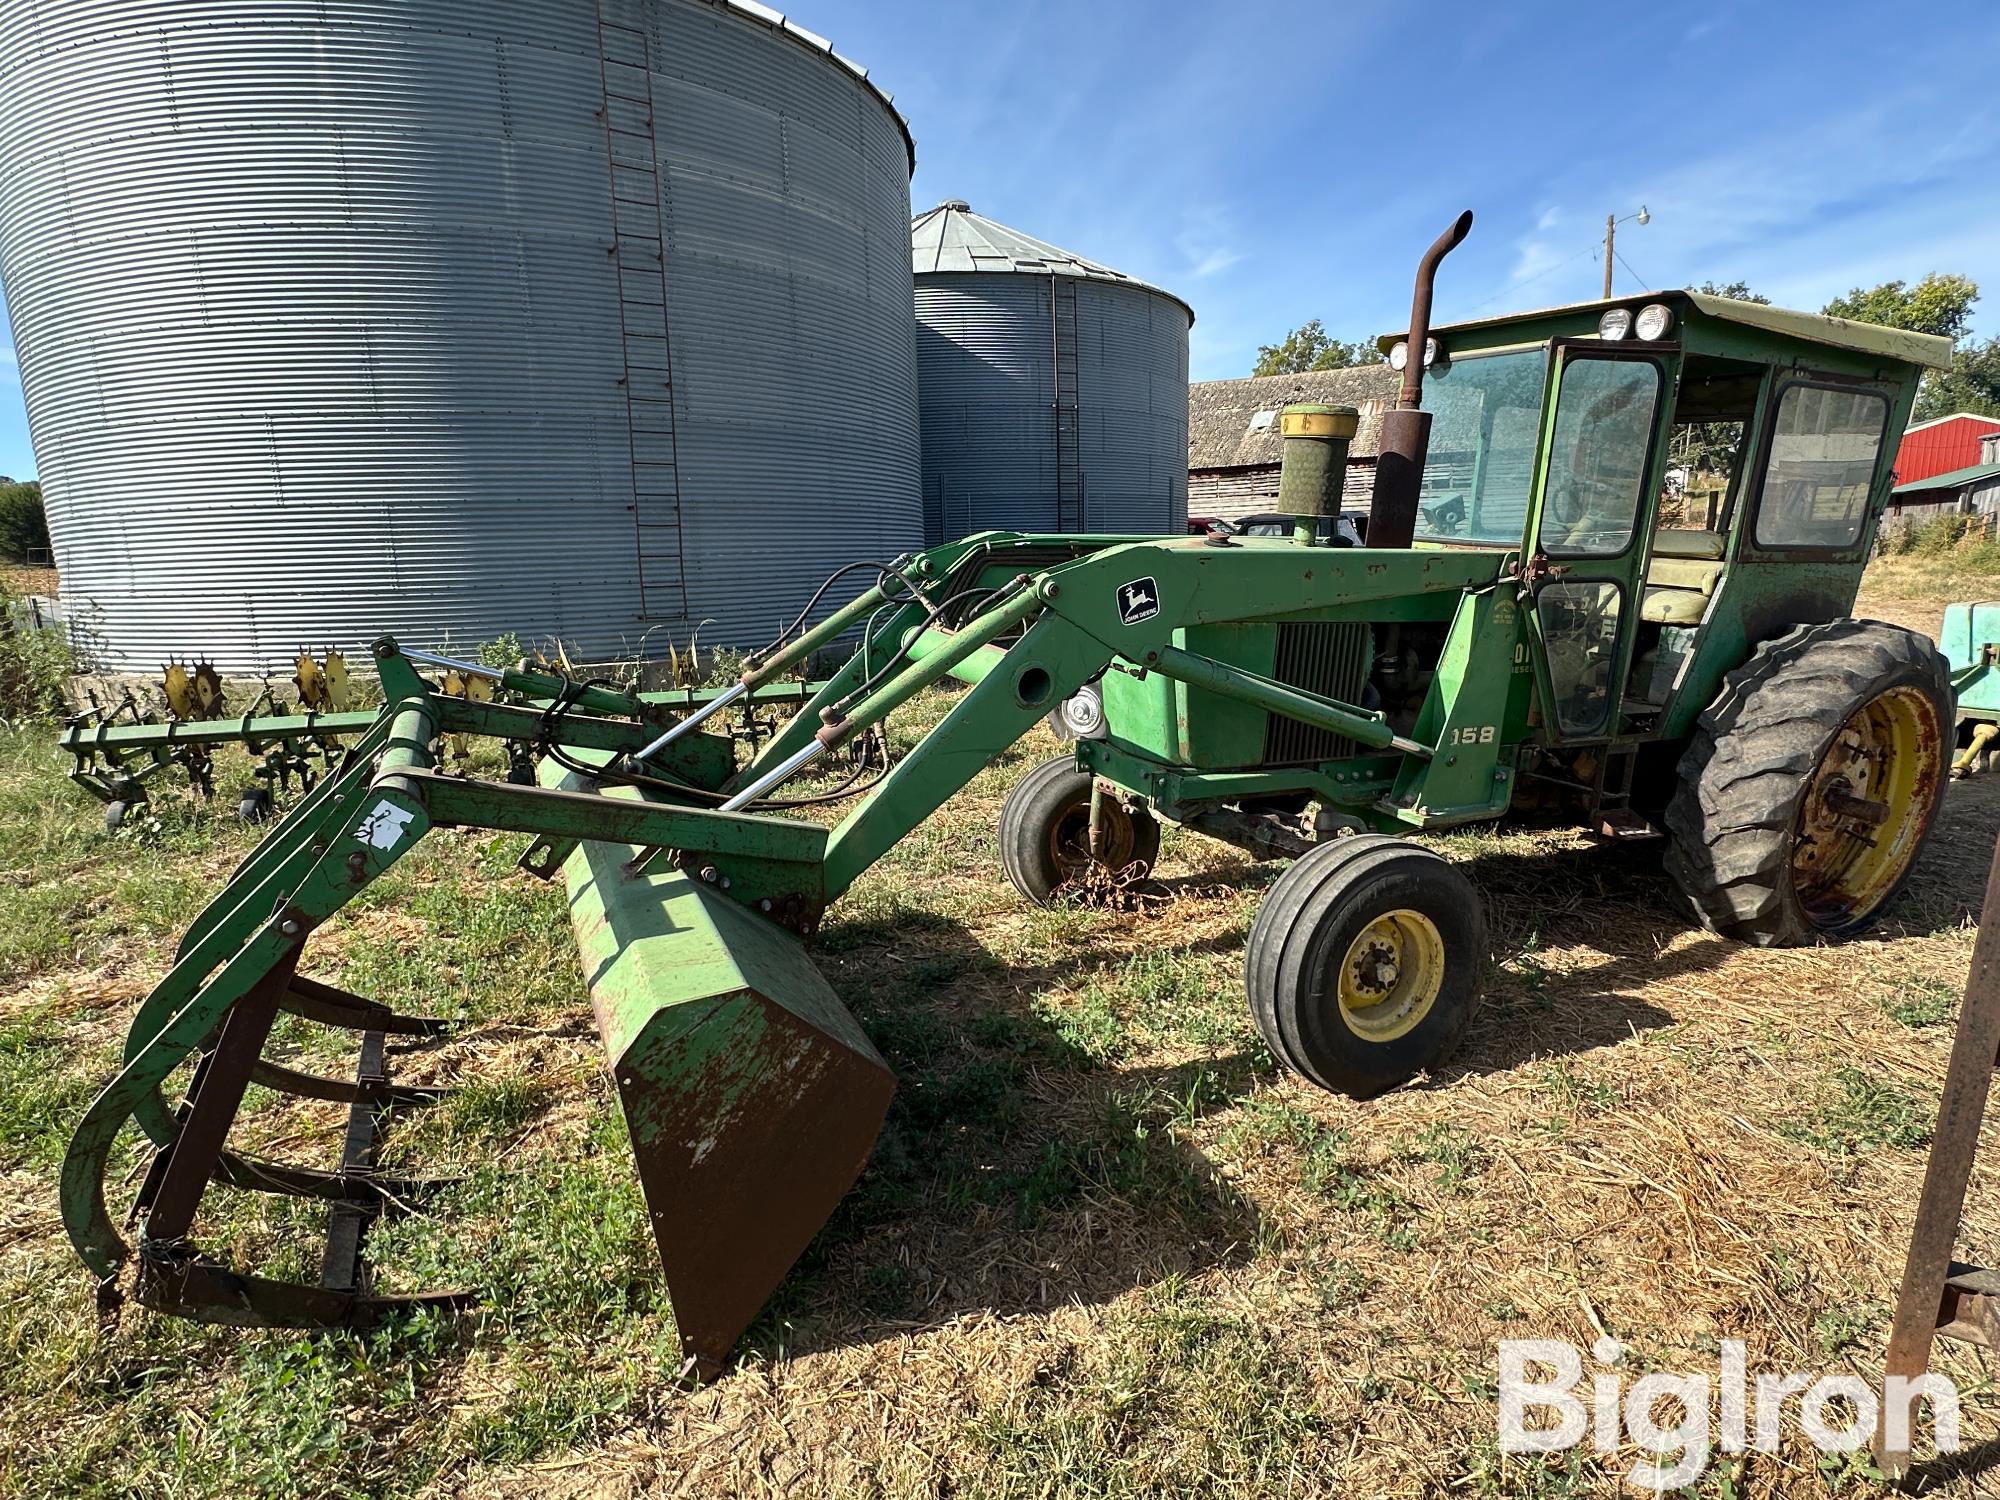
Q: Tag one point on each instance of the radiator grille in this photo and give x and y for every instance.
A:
(1327, 658)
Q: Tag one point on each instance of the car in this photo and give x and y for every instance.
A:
(1347, 527)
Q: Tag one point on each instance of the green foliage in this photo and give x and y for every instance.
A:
(1939, 304)
(1739, 290)
(1310, 347)
(34, 666)
(1866, 1112)
(1963, 539)
(24, 521)
(1971, 384)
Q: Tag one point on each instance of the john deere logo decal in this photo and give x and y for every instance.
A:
(1138, 600)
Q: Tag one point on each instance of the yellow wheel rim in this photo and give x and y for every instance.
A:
(1868, 808)
(1391, 975)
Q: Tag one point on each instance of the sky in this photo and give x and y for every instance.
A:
(1270, 165)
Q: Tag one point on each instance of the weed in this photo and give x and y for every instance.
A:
(1842, 1327)
(1919, 1001)
(1451, 1147)
(1865, 1112)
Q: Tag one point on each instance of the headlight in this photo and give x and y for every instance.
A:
(1615, 324)
(1656, 321)
(1399, 353)
(1083, 712)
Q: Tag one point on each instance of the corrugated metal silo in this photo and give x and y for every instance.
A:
(584, 318)
(1054, 391)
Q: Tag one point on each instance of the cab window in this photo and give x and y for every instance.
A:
(1824, 442)
(1486, 417)
(1603, 435)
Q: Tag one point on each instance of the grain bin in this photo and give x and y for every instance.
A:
(1054, 391)
(578, 318)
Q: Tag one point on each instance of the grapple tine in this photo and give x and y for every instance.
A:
(751, 1095)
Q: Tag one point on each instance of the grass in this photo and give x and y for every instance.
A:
(1105, 1246)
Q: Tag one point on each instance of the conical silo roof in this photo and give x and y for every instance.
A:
(952, 238)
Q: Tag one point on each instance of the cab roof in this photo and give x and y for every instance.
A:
(1924, 349)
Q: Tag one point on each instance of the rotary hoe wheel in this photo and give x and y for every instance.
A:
(1045, 833)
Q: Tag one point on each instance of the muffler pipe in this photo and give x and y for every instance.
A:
(1406, 431)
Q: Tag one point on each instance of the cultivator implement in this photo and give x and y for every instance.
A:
(118, 751)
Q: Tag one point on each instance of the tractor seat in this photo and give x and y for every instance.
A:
(1681, 576)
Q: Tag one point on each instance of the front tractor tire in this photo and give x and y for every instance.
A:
(1811, 783)
(1365, 963)
(1045, 833)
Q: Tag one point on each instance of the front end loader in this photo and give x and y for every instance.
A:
(1521, 633)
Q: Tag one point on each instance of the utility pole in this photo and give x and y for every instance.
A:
(1611, 223)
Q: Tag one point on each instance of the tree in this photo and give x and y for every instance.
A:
(1740, 290)
(1971, 384)
(1940, 304)
(1309, 347)
(24, 524)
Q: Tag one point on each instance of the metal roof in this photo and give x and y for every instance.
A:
(1838, 333)
(1224, 431)
(1970, 474)
(813, 41)
(952, 238)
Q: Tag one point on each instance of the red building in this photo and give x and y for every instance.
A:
(1941, 445)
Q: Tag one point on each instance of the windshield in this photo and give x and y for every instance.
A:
(1486, 417)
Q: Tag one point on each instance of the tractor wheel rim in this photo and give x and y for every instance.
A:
(1390, 975)
(1883, 764)
(1069, 837)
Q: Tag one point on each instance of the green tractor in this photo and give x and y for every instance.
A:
(1519, 631)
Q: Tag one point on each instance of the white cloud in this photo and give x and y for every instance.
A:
(1205, 241)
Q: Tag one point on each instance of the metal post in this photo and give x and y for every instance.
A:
(1921, 1302)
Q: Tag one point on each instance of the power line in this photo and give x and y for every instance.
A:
(1538, 275)
(1644, 286)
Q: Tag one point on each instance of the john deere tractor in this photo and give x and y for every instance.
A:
(1518, 631)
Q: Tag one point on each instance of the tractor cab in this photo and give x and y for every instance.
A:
(1676, 470)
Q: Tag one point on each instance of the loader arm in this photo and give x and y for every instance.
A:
(751, 1095)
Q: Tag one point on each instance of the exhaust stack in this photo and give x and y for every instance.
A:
(1406, 430)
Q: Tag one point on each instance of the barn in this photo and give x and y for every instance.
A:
(1973, 489)
(1233, 435)
(1941, 445)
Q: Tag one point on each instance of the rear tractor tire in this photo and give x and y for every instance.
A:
(1045, 832)
(1365, 963)
(1811, 783)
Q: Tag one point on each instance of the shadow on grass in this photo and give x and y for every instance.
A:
(1016, 1170)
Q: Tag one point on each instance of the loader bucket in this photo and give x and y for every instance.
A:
(751, 1094)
